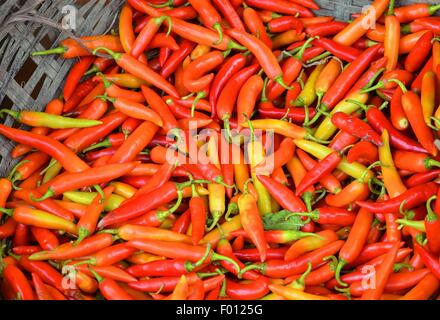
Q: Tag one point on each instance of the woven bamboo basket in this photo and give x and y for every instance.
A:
(29, 83)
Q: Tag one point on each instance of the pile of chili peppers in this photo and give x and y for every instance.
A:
(331, 190)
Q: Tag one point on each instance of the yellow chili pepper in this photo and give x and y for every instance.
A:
(354, 169)
(390, 175)
(217, 192)
(286, 38)
(326, 129)
(326, 78)
(429, 83)
(256, 155)
(226, 228)
(123, 189)
(308, 93)
(199, 50)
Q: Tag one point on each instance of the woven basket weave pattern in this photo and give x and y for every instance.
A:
(29, 83)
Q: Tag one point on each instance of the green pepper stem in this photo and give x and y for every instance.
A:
(217, 27)
(114, 55)
(432, 9)
(314, 215)
(280, 81)
(235, 45)
(14, 114)
(257, 266)
(219, 180)
(82, 234)
(391, 8)
(218, 257)
(301, 280)
(431, 216)
(320, 57)
(263, 91)
(338, 270)
(9, 212)
(49, 193)
(232, 209)
(227, 127)
(418, 225)
(373, 79)
(96, 275)
(191, 266)
(429, 163)
(200, 95)
(300, 53)
(168, 3)
(400, 84)
(103, 144)
(58, 50)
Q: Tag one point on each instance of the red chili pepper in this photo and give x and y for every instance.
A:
(81, 91)
(195, 78)
(325, 28)
(110, 289)
(416, 85)
(282, 6)
(363, 152)
(225, 248)
(345, 53)
(227, 97)
(264, 55)
(227, 9)
(132, 209)
(44, 270)
(283, 269)
(282, 194)
(413, 109)
(70, 250)
(70, 161)
(140, 70)
(285, 23)
(177, 250)
(414, 161)
(75, 75)
(70, 48)
(380, 123)
(419, 53)
(255, 25)
(8, 228)
(407, 200)
(343, 83)
(177, 57)
(198, 218)
(329, 181)
(48, 205)
(40, 289)
(93, 176)
(251, 221)
(25, 250)
(355, 241)
(45, 238)
(251, 291)
(431, 24)
(18, 282)
(414, 11)
(432, 225)
(164, 284)
(356, 127)
(320, 170)
(429, 259)
(421, 178)
(146, 35)
(87, 224)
